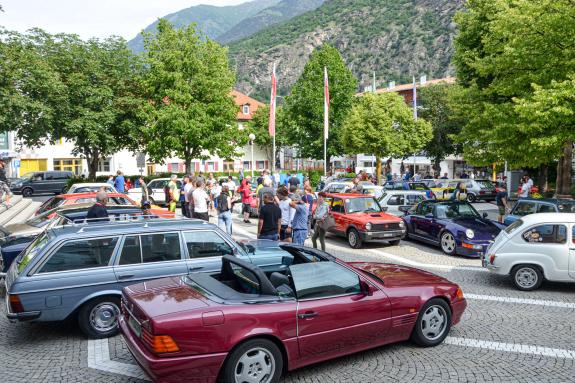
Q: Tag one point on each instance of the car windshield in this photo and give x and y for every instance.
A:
(456, 210)
(486, 185)
(32, 251)
(28, 176)
(362, 205)
(566, 207)
(39, 220)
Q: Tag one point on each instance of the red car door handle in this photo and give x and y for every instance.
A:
(307, 315)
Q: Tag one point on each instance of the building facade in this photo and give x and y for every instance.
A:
(58, 156)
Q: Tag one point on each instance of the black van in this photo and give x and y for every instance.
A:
(41, 182)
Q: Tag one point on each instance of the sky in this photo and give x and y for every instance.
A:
(92, 18)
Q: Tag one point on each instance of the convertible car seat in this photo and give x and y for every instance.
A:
(282, 285)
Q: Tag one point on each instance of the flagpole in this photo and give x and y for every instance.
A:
(414, 114)
(272, 118)
(325, 118)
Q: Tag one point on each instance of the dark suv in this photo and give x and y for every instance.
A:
(41, 182)
(80, 270)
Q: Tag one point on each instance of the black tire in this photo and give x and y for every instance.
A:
(353, 239)
(104, 306)
(271, 355)
(527, 277)
(433, 323)
(471, 197)
(27, 192)
(445, 247)
(395, 242)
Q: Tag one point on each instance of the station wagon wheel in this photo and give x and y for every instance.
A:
(98, 318)
(527, 277)
(255, 361)
(448, 244)
(433, 323)
(353, 238)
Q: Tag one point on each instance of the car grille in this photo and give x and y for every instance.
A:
(385, 226)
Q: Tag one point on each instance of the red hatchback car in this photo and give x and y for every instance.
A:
(242, 325)
(360, 218)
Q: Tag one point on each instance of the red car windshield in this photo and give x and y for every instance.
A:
(362, 205)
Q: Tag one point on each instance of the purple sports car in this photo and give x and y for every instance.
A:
(455, 226)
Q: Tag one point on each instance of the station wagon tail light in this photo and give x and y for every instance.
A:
(459, 293)
(492, 258)
(160, 344)
(15, 304)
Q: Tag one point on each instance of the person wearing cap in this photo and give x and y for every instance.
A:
(299, 222)
(98, 211)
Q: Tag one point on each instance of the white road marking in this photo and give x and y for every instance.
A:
(511, 347)
(526, 301)
(99, 359)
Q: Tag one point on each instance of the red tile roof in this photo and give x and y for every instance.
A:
(404, 87)
(241, 100)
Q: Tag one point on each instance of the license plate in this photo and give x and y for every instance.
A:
(387, 234)
(135, 326)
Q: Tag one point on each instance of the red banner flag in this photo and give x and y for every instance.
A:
(272, 121)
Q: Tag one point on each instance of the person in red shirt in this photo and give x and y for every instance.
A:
(128, 184)
(245, 191)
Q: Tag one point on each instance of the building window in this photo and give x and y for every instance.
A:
(246, 109)
(260, 165)
(151, 169)
(4, 141)
(211, 166)
(247, 165)
(73, 165)
(228, 166)
(104, 165)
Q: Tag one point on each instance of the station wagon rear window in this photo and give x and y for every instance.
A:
(81, 254)
(32, 251)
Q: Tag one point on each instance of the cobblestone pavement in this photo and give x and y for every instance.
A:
(505, 335)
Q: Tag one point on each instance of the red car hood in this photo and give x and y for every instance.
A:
(164, 296)
(374, 217)
(399, 276)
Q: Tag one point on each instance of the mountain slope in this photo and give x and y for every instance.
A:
(211, 20)
(395, 38)
(284, 10)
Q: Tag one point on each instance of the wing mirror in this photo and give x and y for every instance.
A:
(485, 214)
(287, 260)
(366, 288)
(405, 209)
(384, 208)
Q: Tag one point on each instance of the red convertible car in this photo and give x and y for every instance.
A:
(241, 324)
(360, 218)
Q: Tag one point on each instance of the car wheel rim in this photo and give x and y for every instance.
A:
(104, 317)
(256, 365)
(352, 238)
(434, 322)
(526, 277)
(448, 243)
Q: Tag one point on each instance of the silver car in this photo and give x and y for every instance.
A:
(392, 200)
(80, 270)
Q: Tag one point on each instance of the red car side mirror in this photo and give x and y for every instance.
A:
(366, 288)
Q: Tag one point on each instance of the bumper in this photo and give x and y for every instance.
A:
(477, 250)
(457, 308)
(391, 235)
(486, 265)
(192, 369)
(21, 317)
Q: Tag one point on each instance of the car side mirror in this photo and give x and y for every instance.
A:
(404, 209)
(287, 260)
(485, 214)
(384, 208)
(429, 216)
(366, 288)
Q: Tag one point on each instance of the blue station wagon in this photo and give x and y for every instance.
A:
(80, 270)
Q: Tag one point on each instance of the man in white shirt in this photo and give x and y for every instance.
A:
(200, 198)
(188, 187)
(529, 183)
(524, 192)
(231, 184)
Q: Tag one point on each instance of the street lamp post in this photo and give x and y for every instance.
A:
(252, 138)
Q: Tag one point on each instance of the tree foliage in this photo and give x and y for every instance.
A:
(437, 110)
(190, 112)
(508, 53)
(383, 125)
(55, 86)
(305, 104)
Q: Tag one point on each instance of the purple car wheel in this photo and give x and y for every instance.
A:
(448, 244)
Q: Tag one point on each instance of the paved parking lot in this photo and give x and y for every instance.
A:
(505, 335)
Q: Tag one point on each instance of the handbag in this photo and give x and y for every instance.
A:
(327, 223)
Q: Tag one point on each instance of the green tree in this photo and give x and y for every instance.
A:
(260, 127)
(504, 48)
(437, 110)
(305, 104)
(383, 125)
(60, 86)
(190, 112)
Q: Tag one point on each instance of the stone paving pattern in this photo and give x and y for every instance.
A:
(34, 352)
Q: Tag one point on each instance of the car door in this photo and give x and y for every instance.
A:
(74, 270)
(337, 212)
(38, 182)
(335, 315)
(205, 248)
(157, 188)
(422, 223)
(547, 245)
(149, 256)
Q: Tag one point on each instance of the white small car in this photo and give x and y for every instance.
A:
(155, 191)
(392, 200)
(91, 187)
(535, 248)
